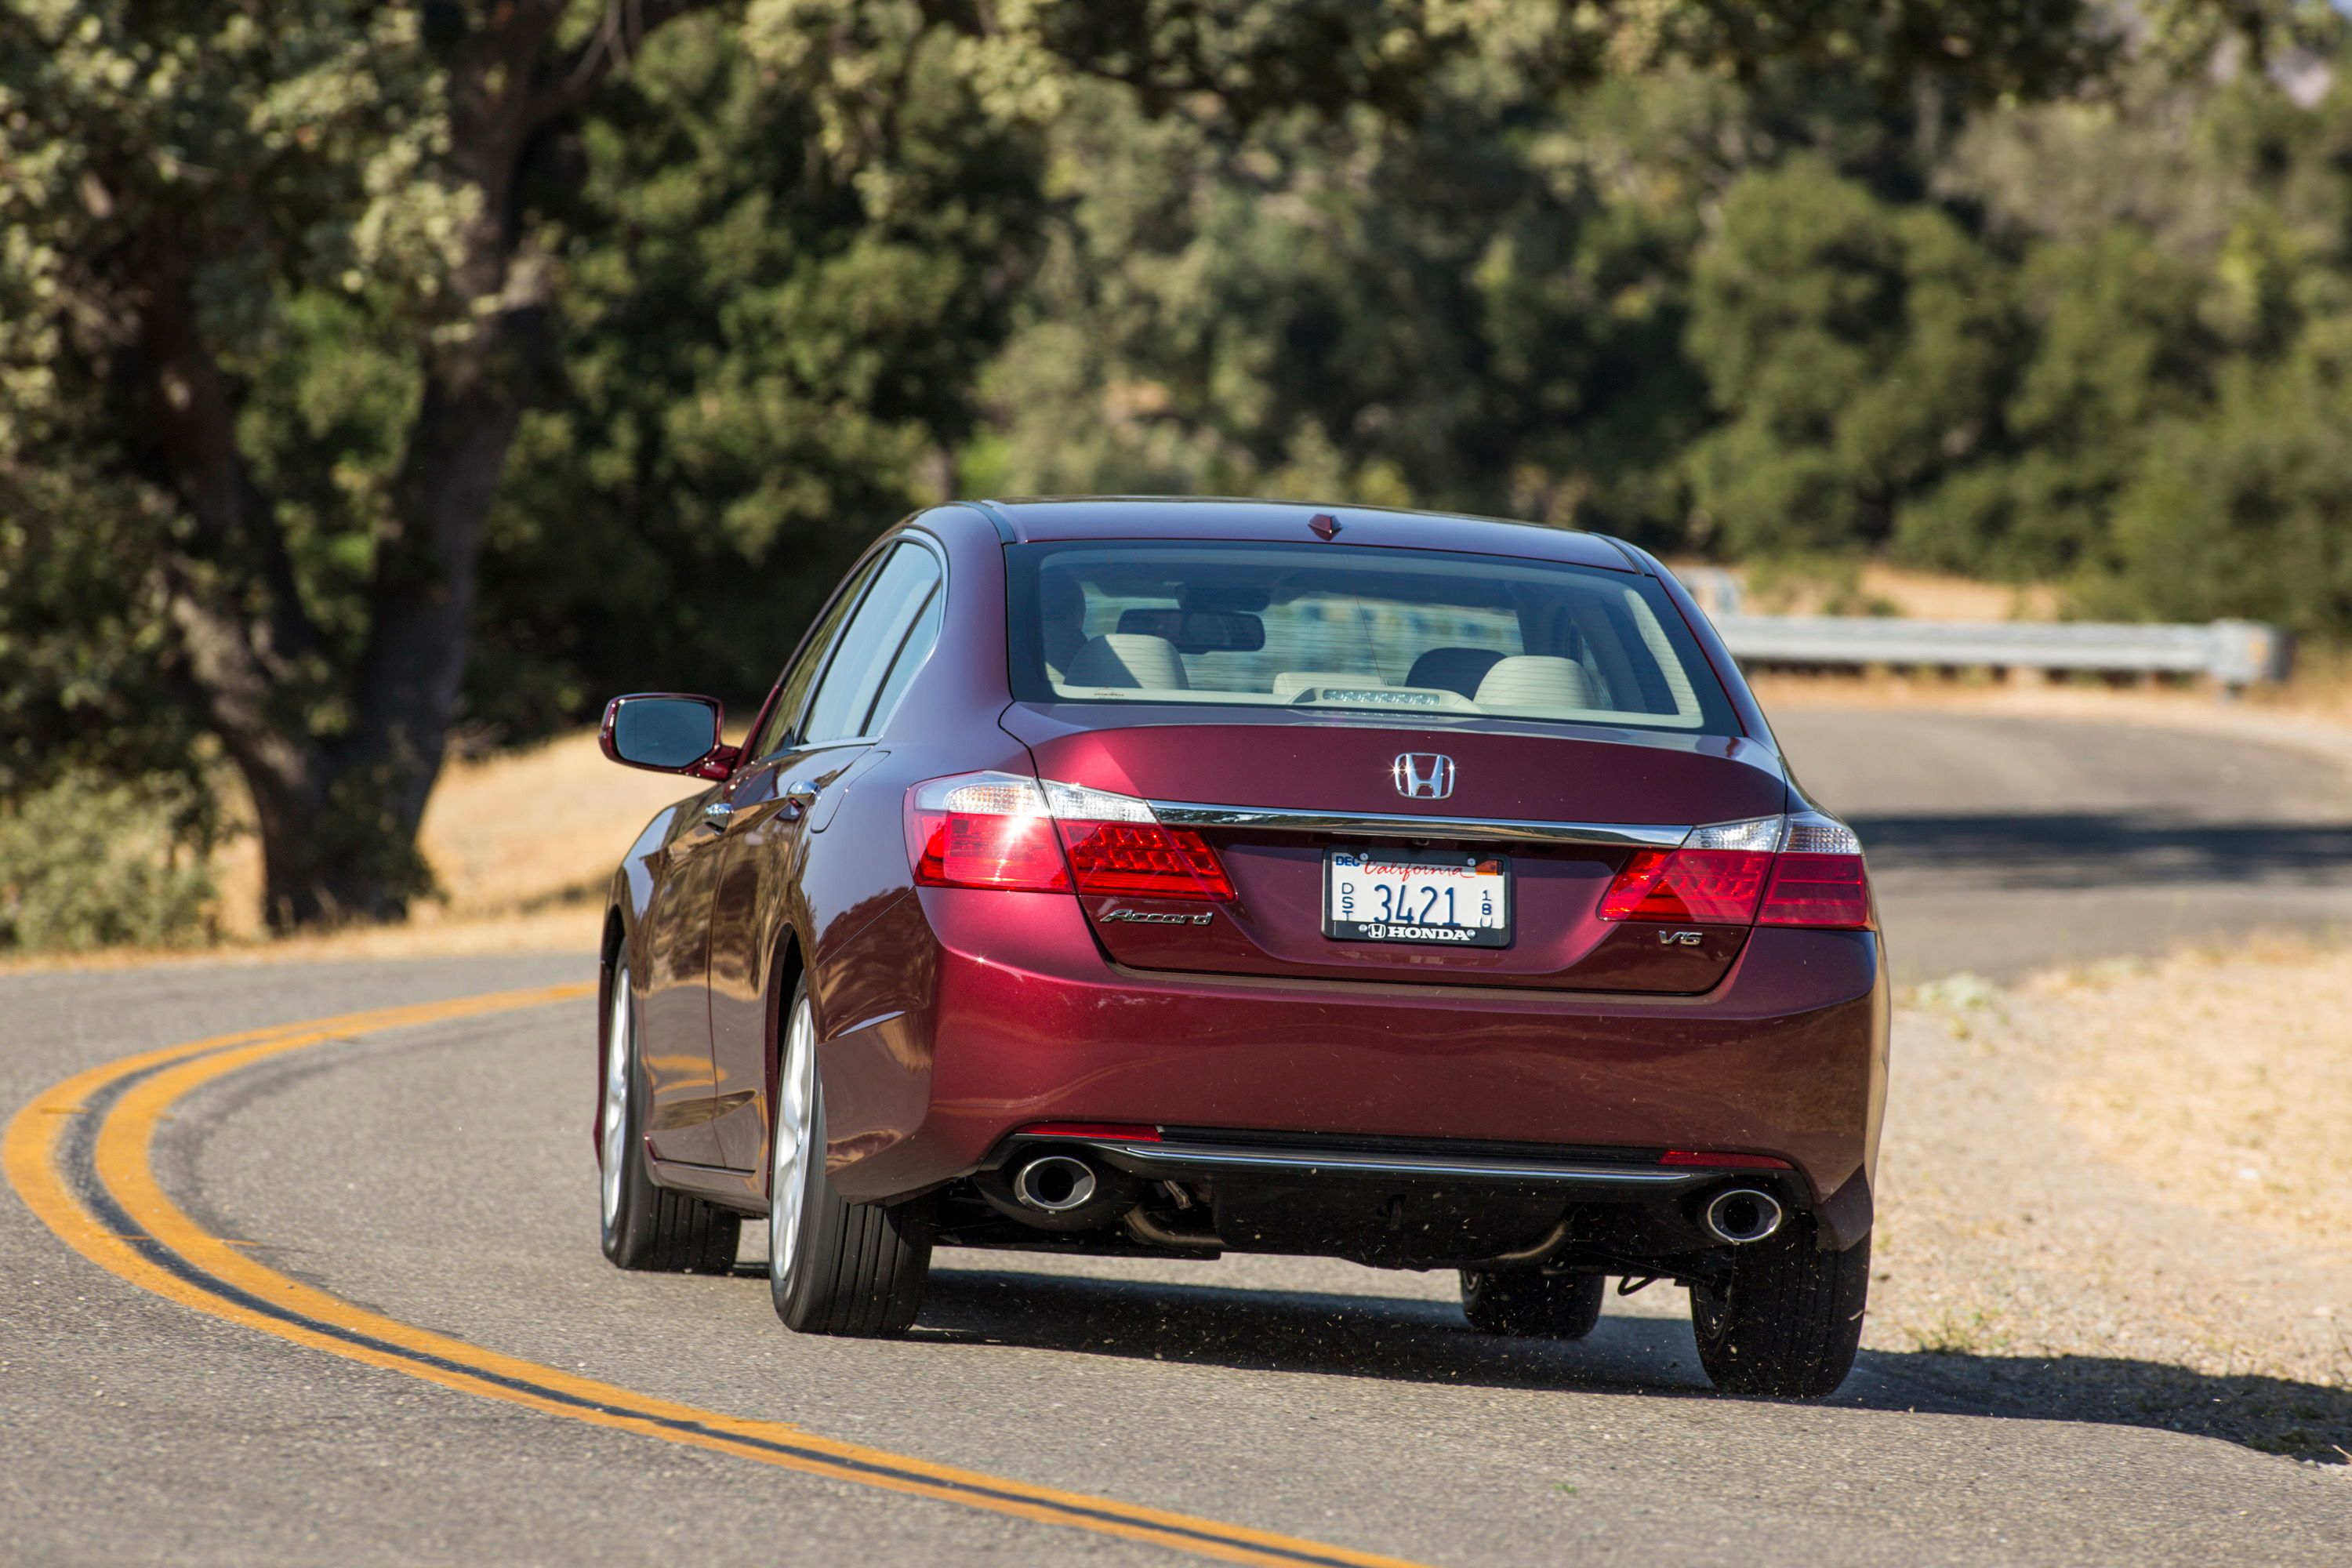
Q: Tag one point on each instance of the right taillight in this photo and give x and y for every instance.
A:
(1818, 878)
(1802, 871)
(1002, 831)
(1718, 887)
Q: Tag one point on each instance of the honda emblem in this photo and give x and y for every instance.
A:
(1422, 775)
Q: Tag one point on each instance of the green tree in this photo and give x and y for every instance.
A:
(2116, 349)
(1856, 349)
(1482, 308)
(190, 185)
(771, 346)
(2242, 512)
(284, 283)
(2182, 259)
(285, 290)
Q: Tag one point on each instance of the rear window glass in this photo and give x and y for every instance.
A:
(1335, 627)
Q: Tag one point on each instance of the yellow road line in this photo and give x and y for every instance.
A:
(104, 1201)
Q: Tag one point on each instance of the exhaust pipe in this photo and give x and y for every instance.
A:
(1057, 1189)
(1741, 1215)
(1055, 1184)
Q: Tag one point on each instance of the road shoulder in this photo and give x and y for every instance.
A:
(2064, 1221)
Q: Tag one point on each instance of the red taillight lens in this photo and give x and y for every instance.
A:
(1730, 874)
(1818, 891)
(969, 849)
(1002, 831)
(1145, 860)
(1718, 887)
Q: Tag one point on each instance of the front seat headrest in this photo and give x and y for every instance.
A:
(1453, 669)
(1535, 683)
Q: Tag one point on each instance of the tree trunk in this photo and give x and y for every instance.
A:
(338, 812)
(404, 694)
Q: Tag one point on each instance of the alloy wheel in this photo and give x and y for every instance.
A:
(620, 1053)
(795, 1108)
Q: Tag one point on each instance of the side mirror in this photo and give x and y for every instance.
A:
(668, 733)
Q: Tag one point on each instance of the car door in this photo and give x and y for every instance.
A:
(807, 758)
(687, 1097)
(674, 1027)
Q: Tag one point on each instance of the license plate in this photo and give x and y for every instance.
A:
(1446, 901)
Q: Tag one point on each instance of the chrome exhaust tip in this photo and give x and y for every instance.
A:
(1055, 1184)
(1739, 1216)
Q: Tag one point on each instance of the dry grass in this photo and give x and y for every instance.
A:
(521, 843)
(1938, 596)
(1895, 591)
(2223, 1081)
(539, 829)
(2322, 686)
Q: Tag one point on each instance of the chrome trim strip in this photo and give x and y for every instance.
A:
(1225, 1155)
(1382, 824)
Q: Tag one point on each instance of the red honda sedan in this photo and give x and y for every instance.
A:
(1173, 877)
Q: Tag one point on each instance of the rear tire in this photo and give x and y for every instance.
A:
(833, 1266)
(1530, 1304)
(645, 1226)
(1787, 1321)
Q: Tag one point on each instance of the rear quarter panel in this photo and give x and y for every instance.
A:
(872, 971)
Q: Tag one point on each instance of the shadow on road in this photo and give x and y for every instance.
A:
(1428, 1341)
(2106, 849)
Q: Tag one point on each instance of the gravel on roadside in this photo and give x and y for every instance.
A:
(2065, 1221)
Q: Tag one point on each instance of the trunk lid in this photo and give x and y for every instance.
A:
(1501, 772)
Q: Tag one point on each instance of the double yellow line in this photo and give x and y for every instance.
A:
(81, 1156)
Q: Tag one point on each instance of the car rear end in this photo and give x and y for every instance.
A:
(1417, 905)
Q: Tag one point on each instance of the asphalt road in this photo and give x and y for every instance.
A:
(440, 1176)
(2001, 846)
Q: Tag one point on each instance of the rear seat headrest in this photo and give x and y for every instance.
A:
(1125, 659)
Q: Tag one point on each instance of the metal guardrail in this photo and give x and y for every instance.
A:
(2232, 654)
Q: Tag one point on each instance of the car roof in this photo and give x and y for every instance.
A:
(1035, 518)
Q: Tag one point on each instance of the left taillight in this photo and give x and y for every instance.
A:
(1800, 870)
(1002, 831)
(984, 830)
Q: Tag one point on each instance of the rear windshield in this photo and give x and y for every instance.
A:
(1336, 626)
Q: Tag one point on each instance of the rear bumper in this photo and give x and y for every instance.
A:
(1024, 1020)
(1191, 1156)
(1416, 1203)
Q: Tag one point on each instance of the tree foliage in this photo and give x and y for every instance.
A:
(773, 338)
(1856, 348)
(1769, 312)
(371, 370)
